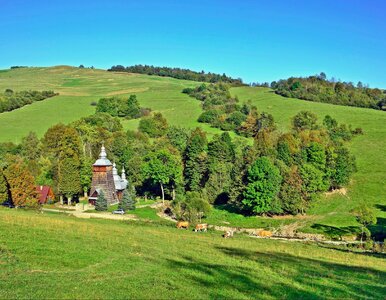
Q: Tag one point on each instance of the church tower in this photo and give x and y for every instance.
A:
(103, 179)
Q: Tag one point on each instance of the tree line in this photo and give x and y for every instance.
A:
(280, 173)
(319, 89)
(10, 100)
(178, 73)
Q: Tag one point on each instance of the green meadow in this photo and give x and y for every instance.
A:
(78, 88)
(57, 256)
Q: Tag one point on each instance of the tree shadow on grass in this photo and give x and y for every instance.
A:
(382, 207)
(348, 250)
(337, 232)
(378, 230)
(250, 274)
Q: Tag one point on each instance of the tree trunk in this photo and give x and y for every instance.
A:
(61, 199)
(173, 193)
(163, 193)
(69, 201)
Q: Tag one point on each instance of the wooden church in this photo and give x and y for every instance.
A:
(105, 178)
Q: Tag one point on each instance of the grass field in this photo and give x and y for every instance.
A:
(56, 256)
(79, 87)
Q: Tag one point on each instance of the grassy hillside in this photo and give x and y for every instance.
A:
(79, 87)
(51, 255)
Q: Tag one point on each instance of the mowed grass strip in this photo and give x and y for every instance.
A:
(56, 256)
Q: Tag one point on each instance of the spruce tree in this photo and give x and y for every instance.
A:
(127, 201)
(101, 202)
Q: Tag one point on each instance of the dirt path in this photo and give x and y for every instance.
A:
(83, 215)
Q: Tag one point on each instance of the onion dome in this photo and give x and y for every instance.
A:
(102, 160)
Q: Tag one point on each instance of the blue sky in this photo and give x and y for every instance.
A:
(254, 40)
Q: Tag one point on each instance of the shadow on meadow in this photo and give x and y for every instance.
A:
(337, 232)
(280, 275)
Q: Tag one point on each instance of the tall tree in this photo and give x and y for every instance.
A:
(30, 146)
(264, 181)
(195, 160)
(21, 184)
(162, 167)
(69, 178)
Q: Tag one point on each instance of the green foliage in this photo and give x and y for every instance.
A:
(264, 181)
(69, 181)
(85, 173)
(315, 154)
(365, 215)
(319, 89)
(11, 100)
(162, 167)
(30, 146)
(291, 194)
(305, 120)
(210, 116)
(313, 179)
(101, 202)
(343, 168)
(192, 207)
(178, 137)
(178, 73)
(195, 159)
(154, 126)
(3, 187)
(119, 107)
(128, 200)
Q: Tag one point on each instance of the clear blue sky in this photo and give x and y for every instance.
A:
(254, 40)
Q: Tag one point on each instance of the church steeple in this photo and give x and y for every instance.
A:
(103, 160)
(123, 176)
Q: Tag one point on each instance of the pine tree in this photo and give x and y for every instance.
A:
(3, 188)
(101, 202)
(127, 201)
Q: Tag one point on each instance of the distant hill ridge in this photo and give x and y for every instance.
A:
(178, 73)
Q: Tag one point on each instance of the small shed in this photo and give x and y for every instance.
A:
(45, 193)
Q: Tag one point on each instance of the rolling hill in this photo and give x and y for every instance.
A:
(77, 88)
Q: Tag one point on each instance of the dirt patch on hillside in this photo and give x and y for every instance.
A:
(342, 191)
(127, 91)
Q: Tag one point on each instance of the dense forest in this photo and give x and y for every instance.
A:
(178, 73)
(11, 100)
(319, 89)
(280, 173)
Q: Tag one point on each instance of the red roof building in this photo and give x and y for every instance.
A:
(45, 193)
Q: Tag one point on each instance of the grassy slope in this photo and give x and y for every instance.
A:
(51, 255)
(79, 87)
